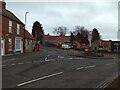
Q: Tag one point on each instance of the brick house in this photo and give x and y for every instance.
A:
(29, 42)
(106, 46)
(55, 40)
(115, 46)
(101, 45)
(12, 38)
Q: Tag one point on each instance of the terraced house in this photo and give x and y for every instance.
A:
(12, 37)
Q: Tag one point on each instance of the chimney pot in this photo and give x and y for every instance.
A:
(3, 4)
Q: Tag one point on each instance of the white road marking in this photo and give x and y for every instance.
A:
(110, 63)
(90, 66)
(60, 57)
(52, 60)
(80, 68)
(31, 81)
(86, 67)
(4, 65)
(20, 63)
(46, 58)
(13, 64)
(70, 58)
(80, 58)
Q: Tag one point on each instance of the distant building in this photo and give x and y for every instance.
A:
(115, 46)
(55, 40)
(12, 37)
(106, 46)
(29, 42)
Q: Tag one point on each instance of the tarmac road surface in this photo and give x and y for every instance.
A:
(54, 68)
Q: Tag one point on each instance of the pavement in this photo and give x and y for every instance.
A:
(55, 68)
(105, 55)
(115, 83)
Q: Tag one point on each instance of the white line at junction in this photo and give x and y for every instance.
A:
(20, 63)
(3, 65)
(86, 67)
(38, 79)
(90, 66)
(80, 68)
(13, 64)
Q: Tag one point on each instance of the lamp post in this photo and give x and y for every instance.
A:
(25, 28)
(89, 39)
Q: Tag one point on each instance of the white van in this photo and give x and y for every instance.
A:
(65, 46)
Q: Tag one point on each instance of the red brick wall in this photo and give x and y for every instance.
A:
(6, 35)
(0, 31)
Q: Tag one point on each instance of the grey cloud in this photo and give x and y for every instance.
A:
(103, 16)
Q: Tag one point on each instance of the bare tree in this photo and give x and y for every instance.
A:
(80, 29)
(81, 34)
(60, 31)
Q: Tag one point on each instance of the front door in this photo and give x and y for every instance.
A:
(2, 47)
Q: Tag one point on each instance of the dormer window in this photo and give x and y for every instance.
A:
(10, 26)
(18, 29)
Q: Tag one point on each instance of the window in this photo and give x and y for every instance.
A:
(18, 28)
(10, 44)
(10, 26)
(18, 44)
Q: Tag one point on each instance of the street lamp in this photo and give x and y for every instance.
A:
(26, 17)
(25, 28)
(89, 39)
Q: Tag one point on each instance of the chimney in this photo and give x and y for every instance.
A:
(3, 4)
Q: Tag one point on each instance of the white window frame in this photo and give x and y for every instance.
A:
(18, 29)
(9, 41)
(10, 26)
(2, 46)
(20, 44)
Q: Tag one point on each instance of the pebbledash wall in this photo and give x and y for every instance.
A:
(16, 39)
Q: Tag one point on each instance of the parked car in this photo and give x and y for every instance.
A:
(65, 46)
(72, 47)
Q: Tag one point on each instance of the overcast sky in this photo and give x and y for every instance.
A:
(100, 15)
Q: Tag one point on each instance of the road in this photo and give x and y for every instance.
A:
(54, 68)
